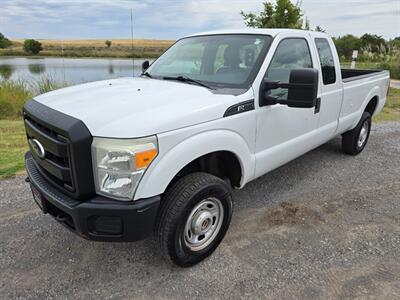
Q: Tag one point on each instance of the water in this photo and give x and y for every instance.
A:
(67, 70)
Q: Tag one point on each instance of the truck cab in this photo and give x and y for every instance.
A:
(116, 160)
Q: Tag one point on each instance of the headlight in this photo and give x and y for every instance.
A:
(119, 164)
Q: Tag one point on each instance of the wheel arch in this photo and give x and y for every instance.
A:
(206, 146)
(373, 101)
(372, 105)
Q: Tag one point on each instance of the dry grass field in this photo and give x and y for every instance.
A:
(100, 43)
(94, 48)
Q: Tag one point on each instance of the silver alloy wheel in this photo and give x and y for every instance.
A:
(363, 134)
(203, 224)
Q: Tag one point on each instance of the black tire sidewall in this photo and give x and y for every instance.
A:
(365, 118)
(218, 191)
(350, 138)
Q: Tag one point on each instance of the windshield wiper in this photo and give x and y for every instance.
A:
(187, 79)
(146, 74)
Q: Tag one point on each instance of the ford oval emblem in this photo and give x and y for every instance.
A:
(37, 148)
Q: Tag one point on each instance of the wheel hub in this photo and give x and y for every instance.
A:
(203, 224)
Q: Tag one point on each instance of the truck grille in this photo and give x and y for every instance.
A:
(61, 149)
(55, 166)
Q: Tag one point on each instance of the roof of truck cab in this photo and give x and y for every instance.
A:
(266, 31)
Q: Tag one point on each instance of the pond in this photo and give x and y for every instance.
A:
(67, 70)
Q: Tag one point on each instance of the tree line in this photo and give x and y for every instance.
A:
(285, 14)
(31, 46)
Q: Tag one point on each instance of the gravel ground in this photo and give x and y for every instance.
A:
(324, 226)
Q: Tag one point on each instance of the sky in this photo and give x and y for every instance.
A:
(171, 19)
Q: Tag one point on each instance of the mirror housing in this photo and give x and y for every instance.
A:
(302, 89)
(145, 66)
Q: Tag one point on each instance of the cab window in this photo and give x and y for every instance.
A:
(292, 53)
(326, 61)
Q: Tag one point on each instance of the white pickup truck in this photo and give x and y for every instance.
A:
(116, 159)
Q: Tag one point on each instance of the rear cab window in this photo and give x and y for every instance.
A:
(326, 60)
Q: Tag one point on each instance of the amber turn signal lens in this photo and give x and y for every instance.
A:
(143, 159)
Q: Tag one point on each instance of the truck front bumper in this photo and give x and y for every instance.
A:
(99, 218)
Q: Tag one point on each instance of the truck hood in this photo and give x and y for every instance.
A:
(136, 107)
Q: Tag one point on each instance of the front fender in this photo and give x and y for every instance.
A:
(172, 159)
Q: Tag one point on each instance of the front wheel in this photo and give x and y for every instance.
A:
(194, 216)
(354, 141)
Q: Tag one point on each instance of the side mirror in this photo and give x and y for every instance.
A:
(302, 89)
(145, 66)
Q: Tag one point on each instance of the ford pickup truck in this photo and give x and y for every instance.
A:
(117, 160)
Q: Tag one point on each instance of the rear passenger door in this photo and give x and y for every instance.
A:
(331, 88)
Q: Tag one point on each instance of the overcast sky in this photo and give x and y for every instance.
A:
(170, 19)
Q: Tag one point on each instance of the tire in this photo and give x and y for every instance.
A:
(205, 200)
(354, 141)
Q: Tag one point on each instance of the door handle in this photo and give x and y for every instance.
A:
(317, 105)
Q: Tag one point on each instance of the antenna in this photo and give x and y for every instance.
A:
(133, 55)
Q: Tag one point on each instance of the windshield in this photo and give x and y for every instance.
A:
(228, 60)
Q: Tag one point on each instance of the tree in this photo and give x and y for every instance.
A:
(4, 42)
(108, 43)
(346, 44)
(373, 42)
(32, 46)
(284, 14)
(395, 42)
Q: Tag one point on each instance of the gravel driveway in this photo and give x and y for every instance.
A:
(324, 226)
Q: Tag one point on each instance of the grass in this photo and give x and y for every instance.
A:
(391, 111)
(121, 48)
(13, 145)
(13, 95)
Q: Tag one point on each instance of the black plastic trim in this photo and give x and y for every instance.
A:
(240, 108)
(349, 75)
(137, 217)
(317, 105)
(78, 138)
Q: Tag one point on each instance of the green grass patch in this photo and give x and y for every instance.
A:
(13, 145)
(391, 111)
(13, 95)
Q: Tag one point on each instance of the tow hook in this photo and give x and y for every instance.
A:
(61, 218)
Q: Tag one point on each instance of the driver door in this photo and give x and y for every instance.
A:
(283, 133)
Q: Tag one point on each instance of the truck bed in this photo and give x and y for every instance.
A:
(354, 74)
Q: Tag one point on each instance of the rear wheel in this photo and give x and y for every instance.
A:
(354, 141)
(194, 216)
